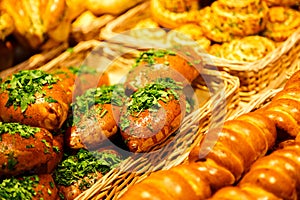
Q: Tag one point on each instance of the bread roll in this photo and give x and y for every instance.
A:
(34, 98)
(95, 117)
(28, 149)
(227, 161)
(152, 114)
(34, 187)
(282, 22)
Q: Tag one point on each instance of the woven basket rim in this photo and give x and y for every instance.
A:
(108, 32)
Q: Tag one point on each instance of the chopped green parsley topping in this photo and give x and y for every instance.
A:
(18, 189)
(13, 128)
(150, 55)
(101, 95)
(84, 164)
(83, 69)
(23, 86)
(148, 97)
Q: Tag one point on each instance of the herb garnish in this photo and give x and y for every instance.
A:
(24, 85)
(13, 128)
(150, 55)
(148, 96)
(84, 164)
(83, 69)
(18, 189)
(101, 95)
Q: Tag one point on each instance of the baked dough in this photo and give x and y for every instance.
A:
(247, 49)
(227, 20)
(282, 22)
(188, 34)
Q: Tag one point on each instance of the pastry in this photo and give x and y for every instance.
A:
(33, 97)
(282, 22)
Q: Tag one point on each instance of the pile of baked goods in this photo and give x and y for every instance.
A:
(66, 126)
(242, 27)
(33, 156)
(255, 156)
(36, 26)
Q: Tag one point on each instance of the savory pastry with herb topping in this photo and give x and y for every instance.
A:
(76, 173)
(94, 117)
(226, 20)
(160, 63)
(27, 149)
(179, 6)
(282, 22)
(148, 30)
(282, 2)
(188, 34)
(169, 18)
(152, 114)
(76, 80)
(247, 49)
(34, 98)
(31, 187)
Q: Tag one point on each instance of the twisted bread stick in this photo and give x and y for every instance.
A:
(240, 143)
(275, 176)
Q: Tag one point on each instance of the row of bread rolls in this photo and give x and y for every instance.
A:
(151, 96)
(223, 27)
(34, 108)
(223, 166)
(240, 144)
(33, 23)
(273, 177)
(81, 102)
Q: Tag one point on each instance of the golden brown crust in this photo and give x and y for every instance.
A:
(293, 81)
(225, 20)
(151, 128)
(72, 191)
(274, 176)
(35, 21)
(169, 19)
(176, 184)
(285, 113)
(247, 49)
(173, 66)
(93, 129)
(46, 188)
(282, 22)
(282, 2)
(36, 154)
(49, 115)
(188, 34)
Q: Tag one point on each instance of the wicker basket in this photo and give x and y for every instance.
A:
(35, 61)
(255, 77)
(171, 152)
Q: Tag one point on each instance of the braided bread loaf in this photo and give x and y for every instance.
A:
(267, 175)
(226, 162)
(284, 108)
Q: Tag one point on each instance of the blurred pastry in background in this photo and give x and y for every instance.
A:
(188, 34)
(171, 19)
(179, 6)
(247, 49)
(282, 2)
(114, 7)
(224, 21)
(281, 23)
(87, 26)
(148, 30)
